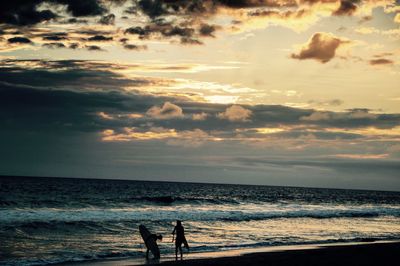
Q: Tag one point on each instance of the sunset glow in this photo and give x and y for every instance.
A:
(211, 89)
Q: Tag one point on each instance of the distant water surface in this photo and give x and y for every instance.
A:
(52, 220)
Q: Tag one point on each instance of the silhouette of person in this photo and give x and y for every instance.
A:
(180, 238)
(155, 238)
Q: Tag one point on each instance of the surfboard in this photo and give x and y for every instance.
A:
(150, 243)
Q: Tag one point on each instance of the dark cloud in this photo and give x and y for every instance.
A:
(135, 47)
(55, 36)
(177, 31)
(19, 40)
(207, 30)
(336, 164)
(93, 32)
(280, 14)
(72, 97)
(321, 47)
(74, 46)
(383, 54)
(79, 8)
(183, 21)
(77, 21)
(346, 8)
(99, 38)
(152, 8)
(166, 30)
(124, 40)
(142, 32)
(108, 20)
(23, 12)
(54, 45)
(190, 41)
(253, 3)
(380, 61)
(43, 99)
(94, 48)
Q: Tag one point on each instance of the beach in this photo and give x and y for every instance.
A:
(360, 254)
(372, 253)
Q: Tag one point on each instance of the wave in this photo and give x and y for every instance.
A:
(102, 256)
(84, 202)
(93, 217)
(314, 215)
(171, 199)
(74, 258)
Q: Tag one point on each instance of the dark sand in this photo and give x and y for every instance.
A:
(364, 254)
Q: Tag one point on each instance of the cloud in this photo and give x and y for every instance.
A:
(74, 46)
(99, 38)
(107, 20)
(357, 164)
(167, 111)
(183, 22)
(190, 41)
(200, 116)
(23, 13)
(35, 97)
(54, 45)
(83, 8)
(55, 36)
(321, 47)
(135, 47)
(380, 61)
(350, 115)
(317, 116)
(346, 8)
(168, 30)
(236, 113)
(26, 12)
(207, 30)
(187, 138)
(19, 40)
(94, 48)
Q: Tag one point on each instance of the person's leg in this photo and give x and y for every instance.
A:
(176, 252)
(147, 253)
(180, 250)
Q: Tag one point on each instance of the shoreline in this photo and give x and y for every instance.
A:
(356, 253)
(366, 254)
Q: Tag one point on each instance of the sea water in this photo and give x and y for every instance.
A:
(55, 220)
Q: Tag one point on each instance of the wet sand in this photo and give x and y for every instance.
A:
(354, 255)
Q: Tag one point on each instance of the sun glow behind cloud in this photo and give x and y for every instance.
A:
(258, 87)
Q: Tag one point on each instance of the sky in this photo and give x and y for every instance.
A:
(269, 92)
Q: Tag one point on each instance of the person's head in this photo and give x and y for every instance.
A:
(178, 223)
(159, 237)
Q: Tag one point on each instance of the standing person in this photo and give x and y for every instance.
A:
(150, 240)
(154, 238)
(180, 238)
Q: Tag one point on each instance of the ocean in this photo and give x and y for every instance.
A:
(55, 220)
